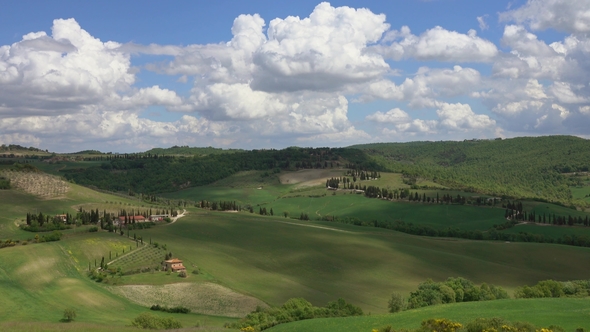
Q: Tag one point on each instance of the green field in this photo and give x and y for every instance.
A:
(39, 281)
(367, 209)
(241, 260)
(550, 231)
(568, 313)
(277, 258)
(241, 187)
(581, 193)
(252, 188)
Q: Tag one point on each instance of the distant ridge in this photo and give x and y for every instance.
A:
(186, 150)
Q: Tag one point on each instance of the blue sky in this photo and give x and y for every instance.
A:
(118, 76)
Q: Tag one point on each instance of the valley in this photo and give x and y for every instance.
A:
(286, 236)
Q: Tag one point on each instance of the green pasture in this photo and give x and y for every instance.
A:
(581, 193)
(395, 181)
(247, 188)
(540, 208)
(438, 216)
(549, 231)
(568, 313)
(318, 202)
(274, 258)
(251, 187)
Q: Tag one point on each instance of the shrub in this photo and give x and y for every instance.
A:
(149, 321)
(440, 325)
(396, 303)
(93, 229)
(453, 290)
(293, 310)
(182, 274)
(69, 315)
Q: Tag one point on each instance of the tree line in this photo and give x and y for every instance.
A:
(451, 290)
(106, 220)
(552, 288)
(219, 206)
(514, 210)
(294, 310)
(491, 234)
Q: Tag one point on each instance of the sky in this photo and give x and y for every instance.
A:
(127, 76)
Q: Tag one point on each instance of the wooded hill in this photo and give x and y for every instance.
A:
(525, 167)
(543, 168)
(186, 150)
(146, 173)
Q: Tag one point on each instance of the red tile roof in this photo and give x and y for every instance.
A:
(173, 260)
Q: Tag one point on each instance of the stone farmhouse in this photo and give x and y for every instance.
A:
(174, 265)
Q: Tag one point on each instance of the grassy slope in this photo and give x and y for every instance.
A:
(275, 258)
(242, 188)
(358, 206)
(38, 281)
(569, 313)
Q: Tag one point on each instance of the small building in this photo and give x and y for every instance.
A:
(159, 217)
(174, 265)
(62, 217)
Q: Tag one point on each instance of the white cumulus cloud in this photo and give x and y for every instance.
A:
(438, 44)
(565, 15)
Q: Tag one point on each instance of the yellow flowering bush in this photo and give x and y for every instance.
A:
(440, 325)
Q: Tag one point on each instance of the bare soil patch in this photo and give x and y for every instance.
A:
(205, 298)
(310, 177)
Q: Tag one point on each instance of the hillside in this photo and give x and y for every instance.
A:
(246, 259)
(153, 174)
(551, 168)
(568, 313)
(533, 167)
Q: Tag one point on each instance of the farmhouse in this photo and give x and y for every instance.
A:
(174, 265)
(132, 219)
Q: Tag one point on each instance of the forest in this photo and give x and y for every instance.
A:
(525, 167)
